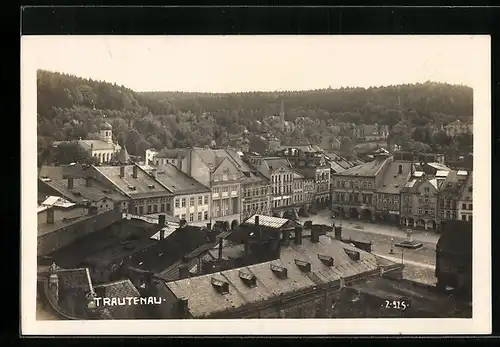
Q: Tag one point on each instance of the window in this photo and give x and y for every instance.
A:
(199, 215)
(183, 216)
(191, 217)
(470, 218)
(200, 200)
(155, 208)
(136, 210)
(169, 207)
(420, 211)
(426, 190)
(205, 215)
(470, 207)
(176, 216)
(183, 202)
(176, 203)
(464, 217)
(370, 184)
(224, 177)
(191, 201)
(162, 207)
(205, 200)
(150, 208)
(464, 207)
(141, 210)
(470, 189)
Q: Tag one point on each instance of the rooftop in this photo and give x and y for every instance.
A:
(177, 181)
(269, 222)
(265, 281)
(81, 192)
(393, 181)
(56, 201)
(439, 166)
(306, 172)
(97, 144)
(119, 289)
(369, 169)
(142, 186)
(64, 218)
(172, 153)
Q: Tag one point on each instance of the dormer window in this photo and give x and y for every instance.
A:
(280, 271)
(325, 259)
(221, 287)
(249, 279)
(151, 186)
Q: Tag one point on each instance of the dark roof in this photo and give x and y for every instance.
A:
(80, 192)
(166, 252)
(393, 182)
(270, 222)
(177, 181)
(307, 172)
(453, 183)
(97, 246)
(173, 153)
(74, 279)
(456, 237)
(204, 300)
(68, 216)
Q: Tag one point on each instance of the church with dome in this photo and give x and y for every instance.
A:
(103, 149)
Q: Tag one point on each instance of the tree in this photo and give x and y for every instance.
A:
(71, 152)
(346, 145)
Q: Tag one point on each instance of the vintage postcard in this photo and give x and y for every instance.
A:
(303, 184)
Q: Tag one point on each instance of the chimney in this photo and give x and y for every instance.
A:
(183, 271)
(183, 308)
(154, 173)
(338, 233)
(134, 172)
(122, 171)
(221, 243)
(298, 235)
(50, 216)
(400, 169)
(88, 182)
(315, 234)
(162, 234)
(70, 182)
(161, 220)
(257, 220)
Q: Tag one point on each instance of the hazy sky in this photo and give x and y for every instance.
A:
(246, 63)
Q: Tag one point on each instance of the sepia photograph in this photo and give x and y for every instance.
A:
(264, 178)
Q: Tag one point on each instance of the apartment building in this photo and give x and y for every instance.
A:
(419, 203)
(353, 189)
(449, 194)
(465, 200)
(298, 189)
(257, 195)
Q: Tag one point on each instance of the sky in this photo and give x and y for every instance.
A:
(260, 63)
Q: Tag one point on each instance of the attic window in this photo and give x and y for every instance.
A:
(249, 279)
(220, 286)
(151, 186)
(325, 259)
(279, 271)
(303, 265)
(131, 187)
(354, 255)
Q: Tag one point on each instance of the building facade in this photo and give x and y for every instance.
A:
(458, 128)
(298, 189)
(353, 190)
(257, 196)
(419, 203)
(449, 195)
(465, 200)
(103, 149)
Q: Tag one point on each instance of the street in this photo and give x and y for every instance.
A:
(419, 263)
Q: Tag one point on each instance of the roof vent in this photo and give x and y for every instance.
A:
(220, 286)
(279, 271)
(131, 187)
(325, 259)
(354, 255)
(151, 186)
(303, 265)
(249, 279)
(76, 193)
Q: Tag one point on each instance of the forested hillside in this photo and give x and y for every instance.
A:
(70, 107)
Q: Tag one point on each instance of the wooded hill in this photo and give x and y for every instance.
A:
(71, 107)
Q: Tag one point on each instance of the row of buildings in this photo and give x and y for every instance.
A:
(399, 191)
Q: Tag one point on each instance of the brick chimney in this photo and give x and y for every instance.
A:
(134, 171)
(298, 235)
(70, 182)
(122, 171)
(183, 308)
(161, 220)
(315, 234)
(50, 216)
(88, 182)
(183, 271)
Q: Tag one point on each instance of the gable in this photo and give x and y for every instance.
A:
(427, 184)
(226, 167)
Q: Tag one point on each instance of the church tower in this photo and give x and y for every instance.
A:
(107, 133)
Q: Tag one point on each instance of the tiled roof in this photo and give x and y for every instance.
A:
(173, 153)
(67, 216)
(177, 181)
(98, 144)
(393, 182)
(369, 169)
(142, 183)
(57, 201)
(268, 221)
(74, 279)
(120, 290)
(80, 192)
(451, 183)
(439, 166)
(203, 298)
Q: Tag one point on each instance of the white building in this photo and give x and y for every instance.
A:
(102, 149)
